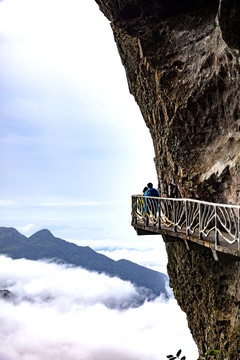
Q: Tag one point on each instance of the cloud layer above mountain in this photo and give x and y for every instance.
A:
(69, 313)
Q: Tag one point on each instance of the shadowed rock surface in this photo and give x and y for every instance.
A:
(182, 66)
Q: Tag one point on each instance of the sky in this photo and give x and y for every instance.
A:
(73, 149)
(73, 141)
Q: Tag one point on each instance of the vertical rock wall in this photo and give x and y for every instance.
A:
(208, 292)
(182, 65)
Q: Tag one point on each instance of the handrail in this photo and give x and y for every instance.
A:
(195, 217)
(187, 199)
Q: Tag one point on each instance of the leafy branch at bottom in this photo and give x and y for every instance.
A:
(172, 357)
(206, 356)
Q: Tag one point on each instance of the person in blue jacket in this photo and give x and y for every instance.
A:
(143, 201)
(152, 204)
(151, 191)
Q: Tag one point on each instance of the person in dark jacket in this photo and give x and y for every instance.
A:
(151, 204)
(151, 191)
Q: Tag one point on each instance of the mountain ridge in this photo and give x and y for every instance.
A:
(44, 245)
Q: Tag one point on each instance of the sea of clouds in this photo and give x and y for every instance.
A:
(64, 313)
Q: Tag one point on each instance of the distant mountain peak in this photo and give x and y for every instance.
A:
(42, 233)
(8, 234)
(9, 230)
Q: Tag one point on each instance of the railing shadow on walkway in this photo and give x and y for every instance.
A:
(209, 224)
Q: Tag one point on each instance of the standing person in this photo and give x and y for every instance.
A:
(152, 205)
(151, 191)
(144, 190)
(143, 201)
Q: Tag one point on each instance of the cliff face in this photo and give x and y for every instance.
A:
(208, 292)
(182, 65)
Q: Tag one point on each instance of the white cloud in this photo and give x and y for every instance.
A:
(6, 202)
(38, 281)
(62, 313)
(25, 229)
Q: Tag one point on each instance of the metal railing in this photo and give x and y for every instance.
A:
(201, 218)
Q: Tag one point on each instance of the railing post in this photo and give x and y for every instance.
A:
(146, 213)
(186, 215)
(216, 228)
(174, 216)
(134, 217)
(200, 223)
(159, 214)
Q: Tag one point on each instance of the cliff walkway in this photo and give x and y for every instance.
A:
(215, 226)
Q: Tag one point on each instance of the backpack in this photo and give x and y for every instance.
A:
(152, 192)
